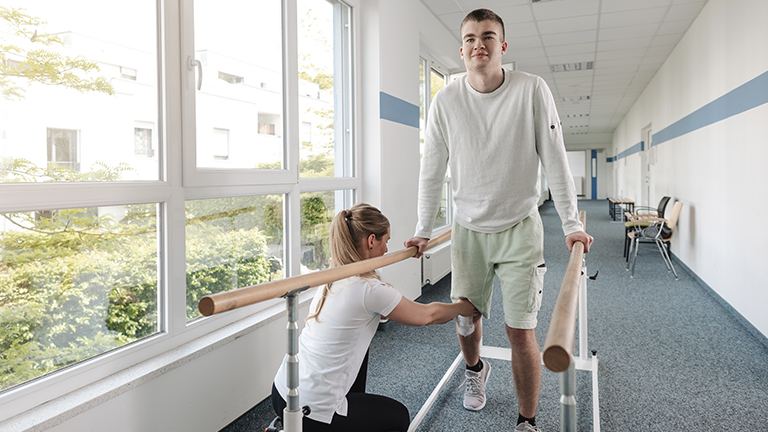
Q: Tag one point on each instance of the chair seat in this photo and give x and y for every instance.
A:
(631, 224)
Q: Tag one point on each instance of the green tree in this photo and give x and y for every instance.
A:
(21, 66)
(74, 284)
(317, 157)
(316, 219)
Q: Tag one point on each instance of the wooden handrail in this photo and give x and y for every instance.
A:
(558, 346)
(237, 298)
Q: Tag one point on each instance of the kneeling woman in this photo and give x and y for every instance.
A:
(344, 315)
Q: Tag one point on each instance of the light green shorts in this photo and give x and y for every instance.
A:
(516, 256)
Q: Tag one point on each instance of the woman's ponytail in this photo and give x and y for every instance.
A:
(349, 229)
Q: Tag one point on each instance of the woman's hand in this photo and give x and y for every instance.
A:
(466, 308)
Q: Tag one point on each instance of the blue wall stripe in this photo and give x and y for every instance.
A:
(398, 110)
(637, 148)
(743, 98)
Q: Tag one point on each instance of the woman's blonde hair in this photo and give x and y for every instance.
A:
(349, 230)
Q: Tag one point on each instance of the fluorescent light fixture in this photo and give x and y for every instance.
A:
(575, 98)
(572, 66)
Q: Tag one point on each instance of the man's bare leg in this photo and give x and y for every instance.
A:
(470, 345)
(526, 368)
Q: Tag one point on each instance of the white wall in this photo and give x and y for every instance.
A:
(718, 171)
(203, 394)
(390, 150)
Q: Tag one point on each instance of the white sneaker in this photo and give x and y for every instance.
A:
(526, 427)
(474, 393)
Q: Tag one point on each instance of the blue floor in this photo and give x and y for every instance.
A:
(672, 357)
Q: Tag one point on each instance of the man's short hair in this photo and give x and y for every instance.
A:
(478, 15)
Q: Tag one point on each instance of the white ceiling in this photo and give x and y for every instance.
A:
(627, 41)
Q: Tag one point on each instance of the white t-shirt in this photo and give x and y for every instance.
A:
(331, 350)
(493, 143)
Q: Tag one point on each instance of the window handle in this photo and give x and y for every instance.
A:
(195, 63)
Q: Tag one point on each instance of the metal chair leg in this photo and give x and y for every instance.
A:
(627, 242)
(634, 259)
(663, 256)
(669, 258)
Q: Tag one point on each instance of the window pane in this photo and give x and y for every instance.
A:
(437, 81)
(322, 86)
(239, 46)
(74, 283)
(232, 243)
(73, 117)
(317, 212)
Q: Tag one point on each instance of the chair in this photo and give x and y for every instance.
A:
(660, 232)
(636, 219)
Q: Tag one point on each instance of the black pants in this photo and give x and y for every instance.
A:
(365, 412)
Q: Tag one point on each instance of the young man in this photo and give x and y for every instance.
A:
(492, 128)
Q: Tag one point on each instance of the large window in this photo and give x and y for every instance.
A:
(146, 162)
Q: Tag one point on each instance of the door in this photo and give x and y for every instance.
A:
(645, 167)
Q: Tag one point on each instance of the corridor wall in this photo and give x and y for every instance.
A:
(707, 110)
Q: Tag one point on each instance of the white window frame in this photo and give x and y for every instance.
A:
(180, 180)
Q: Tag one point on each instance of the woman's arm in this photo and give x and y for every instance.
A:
(419, 314)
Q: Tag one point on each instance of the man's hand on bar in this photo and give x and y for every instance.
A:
(581, 236)
(419, 242)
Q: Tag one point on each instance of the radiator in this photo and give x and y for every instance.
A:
(436, 263)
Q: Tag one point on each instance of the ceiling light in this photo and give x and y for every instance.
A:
(572, 66)
(575, 98)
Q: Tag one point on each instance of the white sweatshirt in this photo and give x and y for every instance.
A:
(493, 143)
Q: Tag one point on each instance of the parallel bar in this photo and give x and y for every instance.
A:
(558, 346)
(229, 300)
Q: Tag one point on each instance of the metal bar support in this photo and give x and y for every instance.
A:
(568, 399)
(292, 414)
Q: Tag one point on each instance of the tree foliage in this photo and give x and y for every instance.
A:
(21, 170)
(77, 282)
(30, 57)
